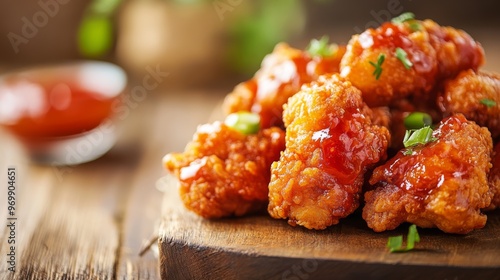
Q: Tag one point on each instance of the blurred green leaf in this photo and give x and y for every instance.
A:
(95, 36)
(255, 34)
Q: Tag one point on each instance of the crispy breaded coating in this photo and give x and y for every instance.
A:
(418, 54)
(494, 178)
(379, 115)
(441, 184)
(223, 172)
(282, 74)
(467, 93)
(330, 144)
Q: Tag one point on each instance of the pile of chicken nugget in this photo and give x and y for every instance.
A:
(335, 134)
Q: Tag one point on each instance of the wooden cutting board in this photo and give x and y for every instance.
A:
(259, 247)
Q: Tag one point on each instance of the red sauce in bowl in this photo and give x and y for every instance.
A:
(59, 101)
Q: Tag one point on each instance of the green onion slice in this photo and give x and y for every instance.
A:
(403, 17)
(415, 25)
(378, 66)
(244, 122)
(403, 57)
(395, 243)
(488, 102)
(417, 120)
(321, 47)
(408, 152)
(419, 136)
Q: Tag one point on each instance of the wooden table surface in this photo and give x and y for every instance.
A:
(91, 221)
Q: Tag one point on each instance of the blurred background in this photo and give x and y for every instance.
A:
(208, 43)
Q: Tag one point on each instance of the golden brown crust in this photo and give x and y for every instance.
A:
(282, 74)
(330, 144)
(494, 179)
(465, 93)
(441, 184)
(455, 49)
(223, 172)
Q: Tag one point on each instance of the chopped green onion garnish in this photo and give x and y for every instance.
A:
(378, 66)
(488, 102)
(408, 152)
(417, 120)
(419, 136)
(321, 47)
(415, 25)
(395, 243)
(412, 237)
(403, 57)
(244, 122)
(407, 17)
(403, 17)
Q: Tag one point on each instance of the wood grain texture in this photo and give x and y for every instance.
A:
(259, 247)
(90, 221)
(165, 132)
(69, 218)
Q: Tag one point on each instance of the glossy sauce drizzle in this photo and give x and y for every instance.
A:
(429, 166)
(393, 36)
(344, 154)
(281, 76)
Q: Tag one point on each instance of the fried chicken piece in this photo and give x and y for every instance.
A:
(467, 93)
(379, 115)
(418, 54)
(494, 179)
(330, 144)
(223, 172)
(440, 184)
(282, 74)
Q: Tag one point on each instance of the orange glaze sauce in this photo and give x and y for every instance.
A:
(397, 36)
(391, 35)
(342, 148)
(423, 171)
(40, 108)
(281, 78)
(273, 89)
